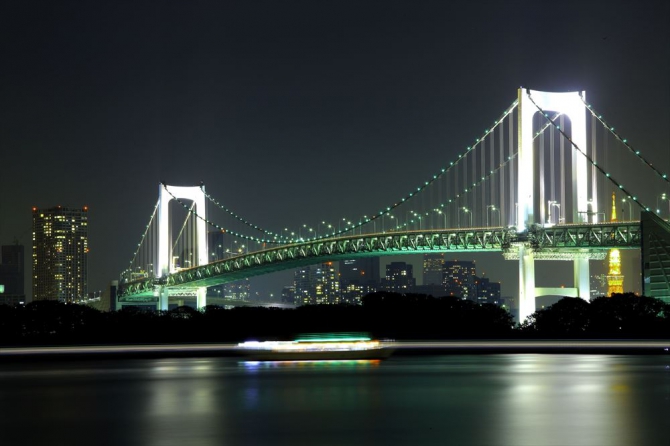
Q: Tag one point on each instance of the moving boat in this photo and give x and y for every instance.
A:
(317, 348)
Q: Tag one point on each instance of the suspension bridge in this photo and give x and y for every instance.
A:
(530, 187)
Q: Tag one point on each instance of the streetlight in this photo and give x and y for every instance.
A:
(391, 217)
(630, 209)
(466, 211)
(318, 228)
(493, 209)
(558, 217)
(443, 214)
(662, 197)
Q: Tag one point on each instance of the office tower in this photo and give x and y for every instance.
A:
(488, 292)
(316, 284)
(358, 277)
(326, 284)
(399, 278)
(12, 275)
(433, 267)
(288, 294)
(598, 285)
(60, 254)
(302, 283)
(459, 279)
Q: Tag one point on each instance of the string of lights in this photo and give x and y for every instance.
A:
(144, 235)
(624, 141)
(235, 215)
(593, 163)
(484, 178)
(365, 220)
(352, 227)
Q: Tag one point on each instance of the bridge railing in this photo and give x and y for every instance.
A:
(599, 236)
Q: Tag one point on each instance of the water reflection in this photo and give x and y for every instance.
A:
(462, 400)
(583, 400)
(337, 364)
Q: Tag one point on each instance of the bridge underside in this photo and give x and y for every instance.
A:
(569, 242)
(655, 256)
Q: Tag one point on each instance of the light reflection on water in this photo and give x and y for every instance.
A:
(463, 400)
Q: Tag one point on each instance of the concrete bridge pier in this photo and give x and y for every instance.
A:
(201, 298)
(163, 298)
(526, 282)
(528, 291)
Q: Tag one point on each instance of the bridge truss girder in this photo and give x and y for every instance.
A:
(565, 242)
(314, 251)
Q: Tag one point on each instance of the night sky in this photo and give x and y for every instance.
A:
(292, 112)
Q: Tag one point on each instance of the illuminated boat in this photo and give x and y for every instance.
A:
(313, 348)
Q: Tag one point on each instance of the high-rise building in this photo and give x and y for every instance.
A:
(598, 285)
(614, 276)
(316, 284)
(459, 279)
(488, 292)
(288, 294)
(399, 278)
(433, 268)
(302, 283)
(218, 249)
(60, 254)
(358, 277)
(326, 284)
(12, 275)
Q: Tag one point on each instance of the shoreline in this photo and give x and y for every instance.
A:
(402, 348)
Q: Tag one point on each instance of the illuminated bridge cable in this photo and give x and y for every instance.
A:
(466, 189)
(218, 227)
(374, 216)
(276, 239)
(434, 178)
(236, 216)
(143, 238)
(624, 141)
(593, 163)
(181, 231)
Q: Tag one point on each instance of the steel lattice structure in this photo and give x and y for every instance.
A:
(562, 242)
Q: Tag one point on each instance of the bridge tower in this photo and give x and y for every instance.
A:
(164, 265)
(529, 210)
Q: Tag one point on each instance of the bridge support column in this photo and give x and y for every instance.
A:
(526, 282)
(163, 298)
(582, 281)
(201, 298)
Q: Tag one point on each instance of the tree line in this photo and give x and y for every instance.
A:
(382, 314)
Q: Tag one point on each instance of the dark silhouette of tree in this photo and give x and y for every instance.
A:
(621, 315)
(383, 314)
(569, 317)
(627, 315)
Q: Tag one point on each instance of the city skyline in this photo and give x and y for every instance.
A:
(281, 98)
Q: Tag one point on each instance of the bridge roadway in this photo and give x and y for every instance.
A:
(549, 242)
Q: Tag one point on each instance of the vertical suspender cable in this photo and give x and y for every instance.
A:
(543, 211)
(552, 167)
(512, 186)
(483, 175)
(473, 208)
(501, 192)
(594, 176)
(562, 174)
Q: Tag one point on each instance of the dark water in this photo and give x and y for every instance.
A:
(443, 400)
